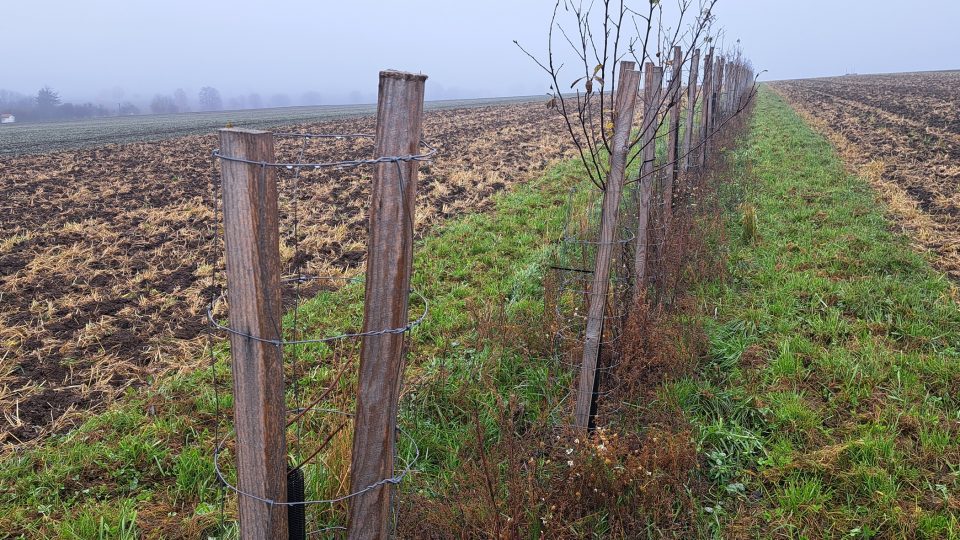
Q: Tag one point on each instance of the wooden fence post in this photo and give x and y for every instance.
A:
(733, 78)
(653, 85)
(624, 110)
(386, 301)
(732, 82)
(252, 242)
(706, 109)
(719, 88)
(673, 137)
(717, 96)
(742, 86)
(691, 108)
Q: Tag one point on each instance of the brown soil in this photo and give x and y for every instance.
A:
(106, 254)
(902, 132)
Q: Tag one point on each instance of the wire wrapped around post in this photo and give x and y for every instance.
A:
(319, 413)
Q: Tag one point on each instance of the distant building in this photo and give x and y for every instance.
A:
(7, 118)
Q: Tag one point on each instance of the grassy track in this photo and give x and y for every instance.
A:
(829, 405)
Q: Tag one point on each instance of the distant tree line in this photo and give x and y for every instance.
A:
(47, 104)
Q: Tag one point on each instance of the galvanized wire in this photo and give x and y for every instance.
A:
(396, 479)
(344, 164)
(219, 296)
(346, 335)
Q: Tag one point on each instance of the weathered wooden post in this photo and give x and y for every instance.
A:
(624, 108)
(673, 136)
(252, 242)
(706, 109)
(733, 74)
(733, 81)
(747, 87)
(692, 81)
(738, 85)
(653, 83)
(717, 98)
(386, 299)
(716, 117)
(742, 87)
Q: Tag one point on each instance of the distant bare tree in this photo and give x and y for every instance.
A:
(47, 102)
(237, 103)
(181, 100)
(255, 101)
(15, 102)
(126, 108)
(210, 99)
(600, 34)
(161, 104)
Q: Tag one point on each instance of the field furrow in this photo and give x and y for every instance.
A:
(105, 261)
(902, 132)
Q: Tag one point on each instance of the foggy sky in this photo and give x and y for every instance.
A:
(92, 49)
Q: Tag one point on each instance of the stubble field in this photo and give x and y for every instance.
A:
(35, 138)
(105, 257)
(902, 132)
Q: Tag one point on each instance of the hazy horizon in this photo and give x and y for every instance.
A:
(107, 51)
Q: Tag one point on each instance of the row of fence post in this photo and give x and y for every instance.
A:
(251, 238)
(722, 94)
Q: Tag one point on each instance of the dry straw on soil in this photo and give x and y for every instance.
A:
(902, 133)
(104, 258)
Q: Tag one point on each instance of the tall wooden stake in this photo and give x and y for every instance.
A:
(718, 99)
(653, 85)
(624, 109)
(389, 266)
(692, 82)
(252, 241)
(673, 137)
(706, 109)
(732, 86)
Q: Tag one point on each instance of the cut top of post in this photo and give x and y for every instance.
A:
(403, 75)
(243, 130)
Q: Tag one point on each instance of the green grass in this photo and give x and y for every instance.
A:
(826, 406)
(830, 392)
(146, 462)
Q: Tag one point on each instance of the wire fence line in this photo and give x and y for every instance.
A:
(657, 202)
(321, 482)
(291, 344)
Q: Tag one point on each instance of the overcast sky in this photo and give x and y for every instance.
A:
(94, 48)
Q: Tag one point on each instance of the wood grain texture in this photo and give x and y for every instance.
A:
(653, 87)
(688, 135)
(706, 108)
(729, 86)
(718, 97)
(673, 135)
(389, 266)
(624, 109)
(252, 242)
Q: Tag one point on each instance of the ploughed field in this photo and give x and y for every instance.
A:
(106, 253)
(37, 138)
(902, 131)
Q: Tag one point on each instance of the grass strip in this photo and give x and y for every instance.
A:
(828, 405)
